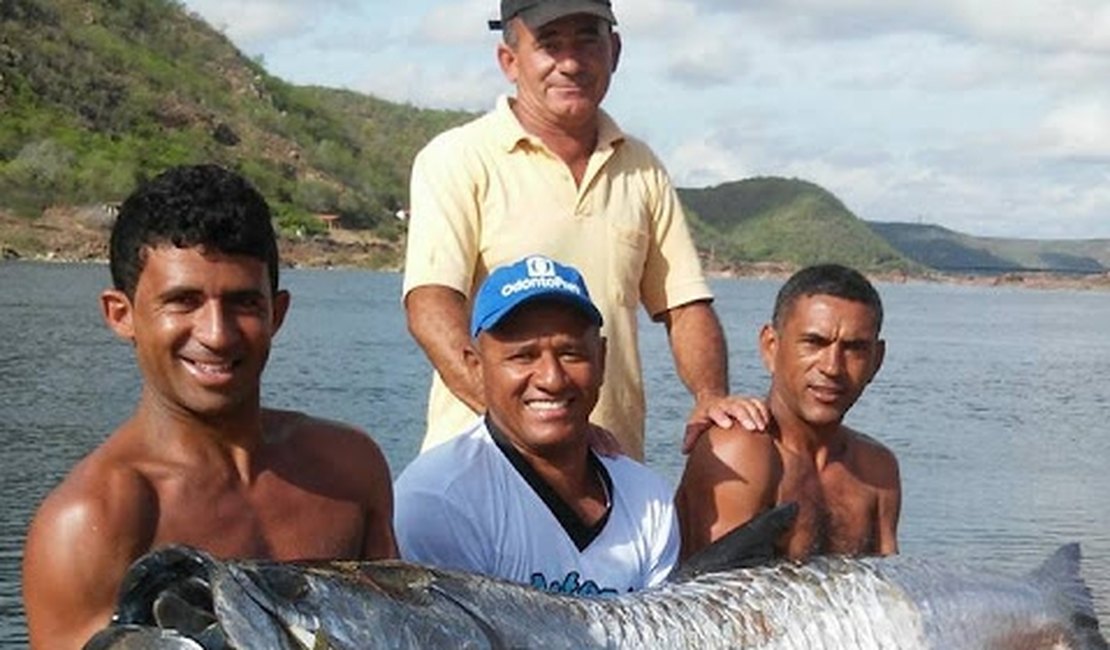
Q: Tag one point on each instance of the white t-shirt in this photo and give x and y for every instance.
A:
(465, 505)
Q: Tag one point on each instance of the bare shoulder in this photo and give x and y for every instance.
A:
(333, 445)
(736, 446)
(873, 457)
(870, 446)
(730, 477)
(85, 534)
(726, 454)
(107, 491)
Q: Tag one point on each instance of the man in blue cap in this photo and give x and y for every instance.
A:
(549, 171)
(520, 495)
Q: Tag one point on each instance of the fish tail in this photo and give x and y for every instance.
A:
(1060, 574)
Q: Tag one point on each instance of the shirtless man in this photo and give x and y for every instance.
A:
(822, 349)
(195, 271)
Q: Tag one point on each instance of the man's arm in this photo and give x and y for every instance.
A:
(701, 359)
(438, 320)
(379, 542)
(877, 466)
(890, 507)
(730, 477)
(78, 548)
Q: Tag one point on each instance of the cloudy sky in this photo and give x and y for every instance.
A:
(991, 117)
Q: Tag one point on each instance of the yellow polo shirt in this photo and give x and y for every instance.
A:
(488, 193)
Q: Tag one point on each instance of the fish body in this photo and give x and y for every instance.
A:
(887, 603)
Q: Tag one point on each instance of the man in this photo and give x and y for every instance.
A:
(194, 265)
(548, 171)
(822, 349)
(520, 495)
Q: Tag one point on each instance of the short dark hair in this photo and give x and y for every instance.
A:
(827, 280)
(187, 206)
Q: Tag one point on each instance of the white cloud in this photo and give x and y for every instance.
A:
(704, 63)
(471, 87)
(251, 23)
(458, 23)
(1079, 130)
(701, 163)
(983, 116)
(1041, 24)
(657, 19)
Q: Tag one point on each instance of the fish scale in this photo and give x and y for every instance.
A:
(895, 603)
(826, 604)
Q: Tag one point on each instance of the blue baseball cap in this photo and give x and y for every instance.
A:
(533, 278)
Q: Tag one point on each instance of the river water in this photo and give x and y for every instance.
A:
(994, 399)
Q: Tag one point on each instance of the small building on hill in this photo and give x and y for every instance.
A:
(331, 221)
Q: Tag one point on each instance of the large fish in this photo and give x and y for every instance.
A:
(180, 598)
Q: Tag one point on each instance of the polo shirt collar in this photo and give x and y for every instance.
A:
(511, 133)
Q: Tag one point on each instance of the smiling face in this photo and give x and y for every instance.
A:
(201, 323)
(825, 353)
(541, 368)
(561, 69)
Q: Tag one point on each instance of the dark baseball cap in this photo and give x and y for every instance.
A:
(535, 13)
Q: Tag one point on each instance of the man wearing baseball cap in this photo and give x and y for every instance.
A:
(548, 171)
(520, 495)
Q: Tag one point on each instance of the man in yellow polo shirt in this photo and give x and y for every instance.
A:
(548, 172)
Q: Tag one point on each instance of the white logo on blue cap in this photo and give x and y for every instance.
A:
(540, 267)
(542, 274)
(535, 276)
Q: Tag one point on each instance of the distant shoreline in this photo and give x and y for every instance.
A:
(758, 271)
(59, 236)
(1012, 279)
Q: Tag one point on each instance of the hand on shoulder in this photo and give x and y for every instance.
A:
(725, 412)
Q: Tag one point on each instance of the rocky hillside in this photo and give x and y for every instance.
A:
(96, 96)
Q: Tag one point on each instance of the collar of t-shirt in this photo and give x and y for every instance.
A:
(579, 532)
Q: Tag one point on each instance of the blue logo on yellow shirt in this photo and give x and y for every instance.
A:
(571, 584)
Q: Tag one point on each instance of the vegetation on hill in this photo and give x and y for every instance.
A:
(784, 220)
(947, 250)
(97, 96)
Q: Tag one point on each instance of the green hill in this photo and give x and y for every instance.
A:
(784, 220)
(947, 250)
(96, 96)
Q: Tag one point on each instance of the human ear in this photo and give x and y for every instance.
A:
(616, 45)
(281, 307)
(507, 60)
(880, 354)
(768, 346)
(603, 353)
(117, 310)
(473, 360)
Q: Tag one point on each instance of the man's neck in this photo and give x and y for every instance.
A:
(567, 471)
(819, 443)
(572, 143)
(233, 438)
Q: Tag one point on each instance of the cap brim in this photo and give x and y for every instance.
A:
(544, 13)
(582, 305)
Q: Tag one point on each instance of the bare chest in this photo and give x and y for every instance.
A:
(837, 512)
(270, 519)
